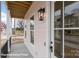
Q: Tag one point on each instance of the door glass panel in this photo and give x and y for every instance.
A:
(57, 43)
(58, 14)
(58, 24)
(71, 14)
(71, 44)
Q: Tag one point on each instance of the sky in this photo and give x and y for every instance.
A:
(3, 12)
(3, 7)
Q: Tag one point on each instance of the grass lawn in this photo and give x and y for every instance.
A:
(18, 33)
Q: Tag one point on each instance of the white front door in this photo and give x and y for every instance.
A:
(56, 26)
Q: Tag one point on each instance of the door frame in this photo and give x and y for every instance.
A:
(52, 28)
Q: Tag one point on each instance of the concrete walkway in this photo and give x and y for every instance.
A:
(19, 51)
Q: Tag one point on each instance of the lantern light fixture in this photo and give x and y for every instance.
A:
(41, 14)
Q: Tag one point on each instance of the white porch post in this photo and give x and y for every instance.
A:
(14, 27)
(9, 29)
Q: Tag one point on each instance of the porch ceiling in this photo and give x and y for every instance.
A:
(18, 9)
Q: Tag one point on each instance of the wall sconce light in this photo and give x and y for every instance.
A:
(41, 14)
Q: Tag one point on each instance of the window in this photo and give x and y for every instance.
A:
(71, 14)
(58, 14)
(71, 44)
(32, 36)
(32, 29)
(58, 29)
(71, 30)
(66, 29)
(57, 43)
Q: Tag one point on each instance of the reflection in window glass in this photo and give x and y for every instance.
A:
(58, 14)
(71, 14)
(32, 23)
(71, 43)
(57, 43)
(32, 36)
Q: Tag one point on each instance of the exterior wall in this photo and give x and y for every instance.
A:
(41, 34)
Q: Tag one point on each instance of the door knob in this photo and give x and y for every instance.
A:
(51, 48)
(51, 42)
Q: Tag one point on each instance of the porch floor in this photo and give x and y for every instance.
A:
(19, 51)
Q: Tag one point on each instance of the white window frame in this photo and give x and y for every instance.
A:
(33, 30)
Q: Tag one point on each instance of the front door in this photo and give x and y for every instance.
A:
(65, 29)
(56, 28)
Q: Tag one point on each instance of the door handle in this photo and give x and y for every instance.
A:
(51, 42)
(51, 47)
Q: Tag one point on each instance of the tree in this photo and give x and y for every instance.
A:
(2, 26)
(21, 24)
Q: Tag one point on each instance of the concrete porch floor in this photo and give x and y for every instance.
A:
(19, 50)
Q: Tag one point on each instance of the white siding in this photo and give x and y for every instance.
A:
(41, 30)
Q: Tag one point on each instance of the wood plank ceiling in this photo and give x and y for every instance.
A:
(18, 9)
